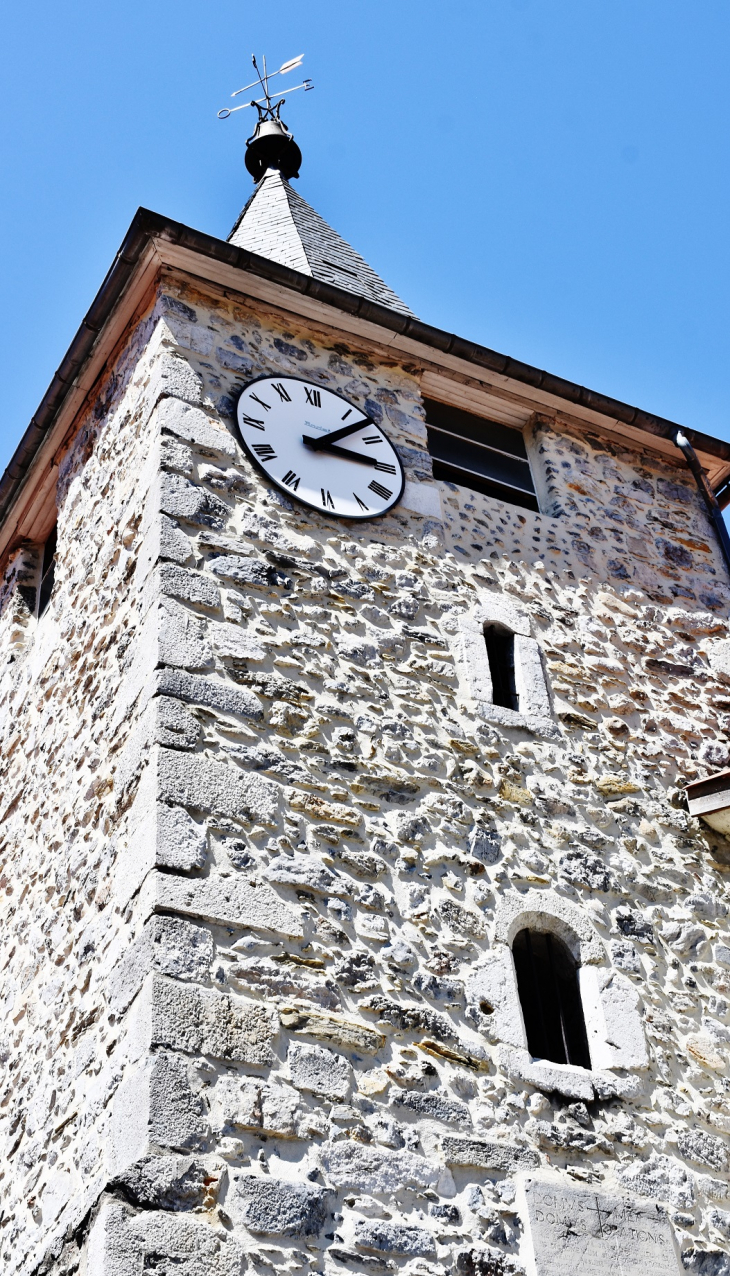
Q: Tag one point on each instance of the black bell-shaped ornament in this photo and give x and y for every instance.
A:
(272, 146)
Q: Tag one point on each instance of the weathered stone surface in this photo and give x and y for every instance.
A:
(380, 1171)
(196, 1021)
(488, 1155)
(208, 785)
(392, 1238)
(254, 1105)
(341, 1032)
(169, 946)
(570, 1231)
(236, 900)
(319, 1071)
(123, 1243)
(436, 1107)
(194, 426)
(272, 1207)
(211, 693)
(173, 1182)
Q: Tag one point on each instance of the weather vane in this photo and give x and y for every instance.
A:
(271, 145)
(267, 106)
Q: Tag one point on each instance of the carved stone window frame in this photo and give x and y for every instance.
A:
(611, 1003)
(535, 712)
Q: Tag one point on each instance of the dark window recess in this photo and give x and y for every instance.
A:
(483, 455)
(547, 982)
(501, 655)
(48, 573)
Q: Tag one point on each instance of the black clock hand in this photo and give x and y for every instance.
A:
(323, 440)
(320, 445)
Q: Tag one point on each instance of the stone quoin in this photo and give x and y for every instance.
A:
(353, 915)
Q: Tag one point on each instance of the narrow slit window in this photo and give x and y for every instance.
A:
(500, 645)
(48, 573)
(482, 455)
(547, 982)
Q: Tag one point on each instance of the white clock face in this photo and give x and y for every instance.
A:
(318, 448)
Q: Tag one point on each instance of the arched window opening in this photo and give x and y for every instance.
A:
(547, 982)
(501, 655)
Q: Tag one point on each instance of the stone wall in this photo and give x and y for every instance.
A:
(297, 850)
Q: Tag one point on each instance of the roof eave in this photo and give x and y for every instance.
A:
(147, 226)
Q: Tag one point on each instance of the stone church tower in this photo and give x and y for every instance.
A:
(353, 916)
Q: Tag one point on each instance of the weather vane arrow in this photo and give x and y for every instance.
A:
(269, 105)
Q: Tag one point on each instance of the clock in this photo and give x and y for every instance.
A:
(319, 448)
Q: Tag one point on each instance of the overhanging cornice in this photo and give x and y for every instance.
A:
(408, 334)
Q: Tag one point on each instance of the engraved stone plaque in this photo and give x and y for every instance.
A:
(571, 1231)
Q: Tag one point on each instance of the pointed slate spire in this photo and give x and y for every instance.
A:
(277, 223)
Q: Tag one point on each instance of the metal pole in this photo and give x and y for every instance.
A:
(706, 492)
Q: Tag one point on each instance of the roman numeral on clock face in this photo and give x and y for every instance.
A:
(291, 479)
(255, 422)
(281, 390)
(362, 504)
(264, 451)
(327, 499)
(373, 438)
(383, 492)
(313, 396)
(385, 467)
(256, 399)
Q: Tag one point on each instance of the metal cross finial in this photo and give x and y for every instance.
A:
(269, 105)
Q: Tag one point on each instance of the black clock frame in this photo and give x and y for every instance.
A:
(353, 518)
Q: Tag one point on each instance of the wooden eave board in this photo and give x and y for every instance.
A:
(513, 400)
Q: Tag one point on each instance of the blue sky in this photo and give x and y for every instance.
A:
(547, 177)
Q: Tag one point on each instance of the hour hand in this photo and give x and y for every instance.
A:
(323, 445)
(324, 440)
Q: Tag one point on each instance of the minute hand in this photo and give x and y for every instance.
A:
(324, 440)
(321, 446)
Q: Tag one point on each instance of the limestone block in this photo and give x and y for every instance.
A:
(274, 1207)
(488, 1155)
(341, 1032)
(123, 1243)
(271, 1108)
(561, 1078)
(206, 784)
(380, 1171)
(201, 1022)
(182, 499)
(154, 1107)
(434, 1107)
(157, 835)
(301, 870)
(187, 586)
(232, 900)
(231, 642)
(182, 640)
(393, 1238)
(173, 1182)
(175, 725)
(173, 376)
(611, 1007)
(422, 498)
(492, 986)
(570, 1231)
(546, 910)
(660, 1177)
(319, 1071)
(193, 426)
(211, 693)
(167, 945)
(719, 654)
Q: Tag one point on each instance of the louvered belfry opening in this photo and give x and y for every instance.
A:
(547, 982)
(500, 645)
(48, 573)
